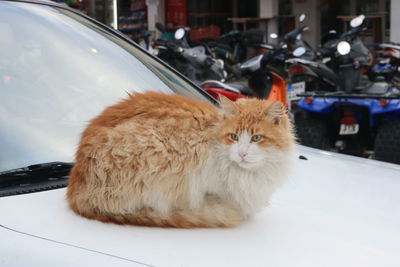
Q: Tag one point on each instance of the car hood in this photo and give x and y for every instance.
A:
(336, 210)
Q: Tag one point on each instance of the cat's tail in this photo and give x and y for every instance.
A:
(211, 215)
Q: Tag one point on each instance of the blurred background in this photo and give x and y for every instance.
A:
(334, 63)
(211, 18)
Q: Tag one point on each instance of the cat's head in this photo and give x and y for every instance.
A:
(253, 132)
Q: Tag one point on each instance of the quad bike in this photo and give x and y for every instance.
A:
(352, 118)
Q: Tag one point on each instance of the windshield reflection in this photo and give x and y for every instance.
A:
(57, 71)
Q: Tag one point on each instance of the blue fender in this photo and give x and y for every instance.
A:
(325, 106)
(318, 105)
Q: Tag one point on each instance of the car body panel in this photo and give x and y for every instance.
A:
(21, 249)
(336, 210)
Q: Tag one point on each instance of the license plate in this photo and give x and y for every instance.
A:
(349, 129)
(294, 89)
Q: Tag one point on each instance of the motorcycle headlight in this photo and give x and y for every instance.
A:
(179, 34)
(299, 51)
(343, 48)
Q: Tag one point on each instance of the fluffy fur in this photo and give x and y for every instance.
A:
(169, 161)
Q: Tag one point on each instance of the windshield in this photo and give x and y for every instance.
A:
(57, 71)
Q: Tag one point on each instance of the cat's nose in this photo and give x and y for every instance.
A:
(242, 154)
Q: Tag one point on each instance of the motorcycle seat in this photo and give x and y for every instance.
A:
(375, 88)
(233, 87)
(243, 89)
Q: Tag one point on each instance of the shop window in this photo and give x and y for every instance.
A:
(132, 19)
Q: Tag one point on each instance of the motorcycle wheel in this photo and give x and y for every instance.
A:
(387, 142)
(312, 132)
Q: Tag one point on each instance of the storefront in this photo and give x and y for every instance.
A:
(210, 18)
(206, 18)
(101, 10)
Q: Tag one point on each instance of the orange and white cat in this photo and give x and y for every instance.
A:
(169, 161)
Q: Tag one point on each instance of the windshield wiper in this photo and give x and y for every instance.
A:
(54, 169)
(34, 178)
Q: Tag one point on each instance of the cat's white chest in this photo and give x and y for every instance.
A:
(251, 190)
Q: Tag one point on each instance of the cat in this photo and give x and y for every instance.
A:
(169, 161)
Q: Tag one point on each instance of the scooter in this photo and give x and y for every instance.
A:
(335, 72)
(295, 39)
(236, 46)
(262, 82)
(264, 72)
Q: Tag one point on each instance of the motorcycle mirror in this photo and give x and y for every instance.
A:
(160, 27)
(343, 48)
(302, 17)
(357, 21)
(273, 36)
(299, 51)
(253, 63)
(225, 74)
(220, 63)
(179, 34)
(155, 52)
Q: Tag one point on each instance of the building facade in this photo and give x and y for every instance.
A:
(214, 17)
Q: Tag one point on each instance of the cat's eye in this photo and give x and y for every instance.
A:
(256, 138)
(234, 137)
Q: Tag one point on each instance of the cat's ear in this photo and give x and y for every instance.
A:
(228, 107)
(276, 112)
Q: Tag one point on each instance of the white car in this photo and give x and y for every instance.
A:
(59, 68)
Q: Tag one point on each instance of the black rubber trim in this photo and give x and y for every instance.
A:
(34, 186)
(349, 95)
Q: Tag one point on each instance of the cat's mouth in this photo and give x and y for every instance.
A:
(245, 164)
